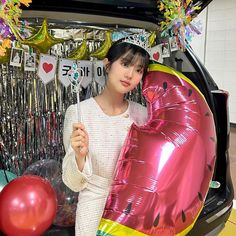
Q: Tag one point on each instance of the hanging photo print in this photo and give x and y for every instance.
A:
(47, 68)
(65, 66)
(16, 57)
(165, 48)
(173, 44)
(29, 61)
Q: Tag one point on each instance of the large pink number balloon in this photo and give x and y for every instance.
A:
(27, 206)
(165, 167)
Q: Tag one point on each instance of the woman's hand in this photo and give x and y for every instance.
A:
(79, 142)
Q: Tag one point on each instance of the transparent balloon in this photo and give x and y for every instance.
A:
(66, 204)
(48, 169)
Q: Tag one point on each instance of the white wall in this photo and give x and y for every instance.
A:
(198, 41)
(216, 46)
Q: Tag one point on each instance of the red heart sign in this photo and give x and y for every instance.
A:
(156, 56)
(47, 67)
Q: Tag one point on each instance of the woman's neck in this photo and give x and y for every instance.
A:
(111, 103)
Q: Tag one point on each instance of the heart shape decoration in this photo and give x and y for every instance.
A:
(47, 67)
(156, 56)
(165, 166)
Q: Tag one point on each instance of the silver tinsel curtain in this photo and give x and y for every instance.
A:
(32, 114)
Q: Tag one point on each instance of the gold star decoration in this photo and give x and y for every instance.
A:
(80, 53)
(42, 41)
(101, 52)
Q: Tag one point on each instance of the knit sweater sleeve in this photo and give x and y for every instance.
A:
(73, 178)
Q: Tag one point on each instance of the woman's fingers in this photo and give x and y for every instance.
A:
(79, 129)
(79, 132)
(78, 126)
(78, 145)
(79, 136)
(78, 142)
(79, 139)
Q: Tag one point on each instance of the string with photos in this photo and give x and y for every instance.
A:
(179, 20)
(32, 113)
(11, 27)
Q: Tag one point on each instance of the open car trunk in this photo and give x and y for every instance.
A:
(143, 14)
(125, 15)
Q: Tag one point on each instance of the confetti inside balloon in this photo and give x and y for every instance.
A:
(48, 169)
(66, 203)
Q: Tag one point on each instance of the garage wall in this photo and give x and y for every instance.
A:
(216, 46)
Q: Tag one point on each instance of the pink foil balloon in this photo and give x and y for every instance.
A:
(165, 167)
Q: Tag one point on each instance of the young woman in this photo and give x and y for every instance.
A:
(93, 146)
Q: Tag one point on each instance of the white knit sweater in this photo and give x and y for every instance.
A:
(106, 137)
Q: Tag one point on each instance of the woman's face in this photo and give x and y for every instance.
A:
(124, 76)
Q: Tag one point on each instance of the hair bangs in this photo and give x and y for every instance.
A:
(135, 58)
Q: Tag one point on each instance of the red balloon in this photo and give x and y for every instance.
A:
(27, 206)
(163, 173)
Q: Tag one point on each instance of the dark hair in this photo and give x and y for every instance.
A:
(131, 52)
